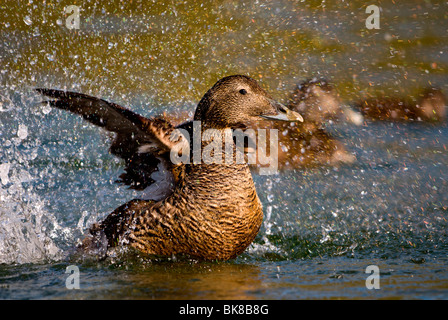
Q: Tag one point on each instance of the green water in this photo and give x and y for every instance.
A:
(323, 226)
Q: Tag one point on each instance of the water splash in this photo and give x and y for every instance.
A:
(265, 247)
(27, 229)
(24, 222)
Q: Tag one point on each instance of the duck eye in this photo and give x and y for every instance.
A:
(243, 91)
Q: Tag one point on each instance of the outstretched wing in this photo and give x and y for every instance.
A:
(143, 143)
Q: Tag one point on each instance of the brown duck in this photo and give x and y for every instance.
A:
(201, 210)
(429, 107)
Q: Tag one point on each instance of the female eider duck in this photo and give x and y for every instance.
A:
(207, 211)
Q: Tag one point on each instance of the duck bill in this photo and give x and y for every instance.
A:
(282, 113)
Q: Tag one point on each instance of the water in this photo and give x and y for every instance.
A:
(323, 226)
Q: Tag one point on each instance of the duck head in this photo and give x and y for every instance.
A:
(319, 102)
(237, 100)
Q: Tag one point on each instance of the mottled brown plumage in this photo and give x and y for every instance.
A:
(206, 211)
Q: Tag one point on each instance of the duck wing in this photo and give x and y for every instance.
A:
(144, 144)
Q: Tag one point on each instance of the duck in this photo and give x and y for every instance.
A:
(201, 210)
(430, 107)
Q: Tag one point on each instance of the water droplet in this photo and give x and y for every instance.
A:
(50, 57)
(27, 20)
(22, 133)
(46, 108)
(4, 170)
